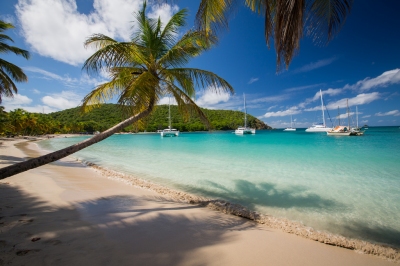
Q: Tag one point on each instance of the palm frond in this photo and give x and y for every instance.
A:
(170, 31)
(14, 71)
(326, 17)
(212, 15)
(186, 105)
(288, 20)
(192, 44)
(203, 79)
(7, 86)
(4, 48)
(111, 53)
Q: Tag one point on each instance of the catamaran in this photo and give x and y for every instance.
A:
(319, 127)
(169, 132)
(341, 130)
(245, 130)
(291, 128)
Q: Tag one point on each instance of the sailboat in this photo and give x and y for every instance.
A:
(356, 131)
(291, 128)
(319, 127)
(245, 130)
(169, 132)
(341, 130)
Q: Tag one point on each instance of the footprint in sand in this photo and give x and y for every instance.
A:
(23, 252)
(54, 242)
(25, 221)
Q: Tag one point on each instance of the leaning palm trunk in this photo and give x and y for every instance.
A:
(57, 155)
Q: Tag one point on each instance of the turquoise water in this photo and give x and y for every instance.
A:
(344, 185)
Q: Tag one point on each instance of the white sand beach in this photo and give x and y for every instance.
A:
(65, 213)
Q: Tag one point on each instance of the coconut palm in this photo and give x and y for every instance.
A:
(285, 20)
(142, 71)
(9, 71)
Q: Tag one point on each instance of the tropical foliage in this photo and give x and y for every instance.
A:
(21, 122)
(8, 71)
(285, 20)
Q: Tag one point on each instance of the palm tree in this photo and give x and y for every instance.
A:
(142, 71)
(285, 20)
(9, 71)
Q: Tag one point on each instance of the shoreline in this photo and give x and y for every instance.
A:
(384, 251)
(265, 221)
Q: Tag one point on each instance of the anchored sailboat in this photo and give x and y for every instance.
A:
(245, 130)
(291, 128)
(169, 132)
(318, 127)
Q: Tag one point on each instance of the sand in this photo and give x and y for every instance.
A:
(66, 213)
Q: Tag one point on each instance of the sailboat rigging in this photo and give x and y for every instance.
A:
(245, 129)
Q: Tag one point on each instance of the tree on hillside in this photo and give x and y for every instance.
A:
(142, 71)
(285, 20)
(8, 71)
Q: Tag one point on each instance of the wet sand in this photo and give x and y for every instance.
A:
(65, 213)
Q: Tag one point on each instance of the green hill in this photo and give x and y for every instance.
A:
(108, 115)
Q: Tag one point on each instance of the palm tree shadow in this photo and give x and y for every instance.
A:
(107, 231)
(377, 234)
(267, 194)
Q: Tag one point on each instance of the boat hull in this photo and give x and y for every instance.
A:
(169, 133)
(289, 129)
(245, 131)
(338, 133)
(318, 129)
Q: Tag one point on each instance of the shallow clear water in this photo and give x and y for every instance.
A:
(344, 185)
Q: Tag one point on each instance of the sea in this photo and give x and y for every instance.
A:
(346, 185)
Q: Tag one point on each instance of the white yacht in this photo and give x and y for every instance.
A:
(245, 130)
(319, 127)
(169, 132)
(291, 128)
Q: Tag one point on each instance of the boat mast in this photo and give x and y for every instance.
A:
(169, 112)
(322, 108)
(357, 116)
(245, 113)
(348, 114)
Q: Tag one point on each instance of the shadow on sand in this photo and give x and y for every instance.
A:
(118, 230)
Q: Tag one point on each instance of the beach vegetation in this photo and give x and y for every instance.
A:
(10, 73)
(142, 71)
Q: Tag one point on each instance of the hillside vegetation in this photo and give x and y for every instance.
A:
(108, 115)
(21, 122)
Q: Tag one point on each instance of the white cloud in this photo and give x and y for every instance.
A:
(360, 99)
(394, 113)
(35, 91)
(66, 80)
(270, 99)
(366, 116)
(291, 111)
(300, 88)
(252, 80)
(210, 99)
(167, 100)
(57, 30)
(387, 78)
(163, 11)
(64, 100)
(51, 76)
(315, 65)
(18, 101)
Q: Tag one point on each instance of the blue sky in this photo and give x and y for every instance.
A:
(362, 64)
